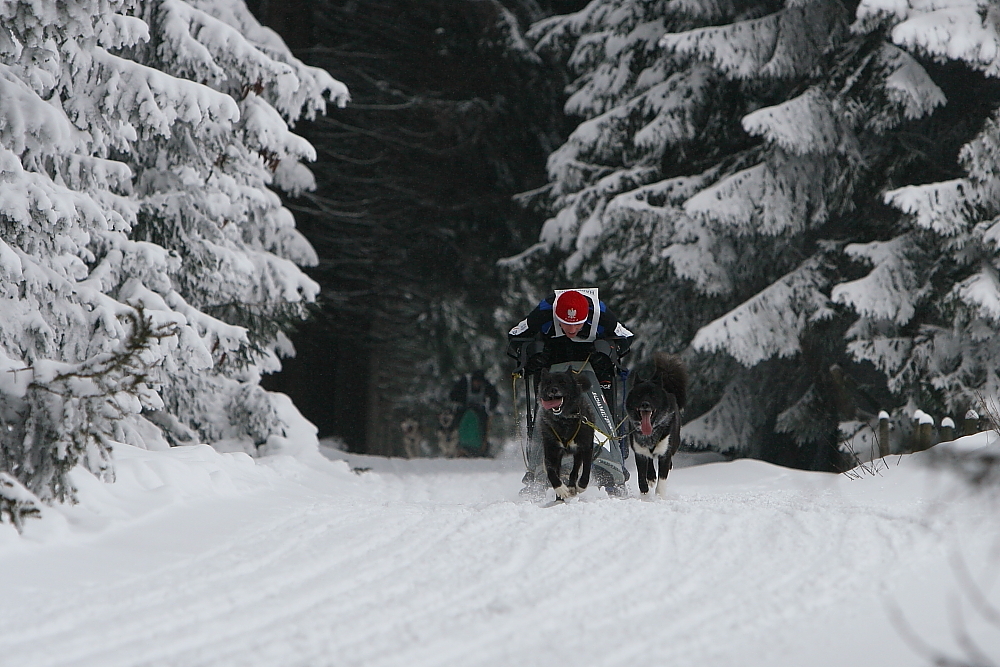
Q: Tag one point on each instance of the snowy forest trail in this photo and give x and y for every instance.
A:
(433, 562)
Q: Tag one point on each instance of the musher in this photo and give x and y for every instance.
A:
(573, 325)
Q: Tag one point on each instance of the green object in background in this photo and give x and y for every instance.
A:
(470, 433)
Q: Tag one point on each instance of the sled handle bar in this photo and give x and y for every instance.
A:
(522, 349)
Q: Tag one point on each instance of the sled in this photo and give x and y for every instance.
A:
(610, 447)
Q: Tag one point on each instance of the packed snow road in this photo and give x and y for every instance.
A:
(195, 558)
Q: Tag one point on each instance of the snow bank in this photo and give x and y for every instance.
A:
(205, 559)
(150, 483)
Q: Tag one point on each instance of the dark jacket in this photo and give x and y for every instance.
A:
(464, 393)
(540, 325)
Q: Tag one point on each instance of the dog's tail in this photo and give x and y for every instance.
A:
(672, 375)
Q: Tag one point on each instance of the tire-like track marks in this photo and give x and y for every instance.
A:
(447, 568)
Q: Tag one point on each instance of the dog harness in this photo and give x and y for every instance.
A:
(572, 437)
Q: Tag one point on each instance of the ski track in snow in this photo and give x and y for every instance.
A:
(440, 563)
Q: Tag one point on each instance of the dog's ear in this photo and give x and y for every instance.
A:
(583, 381)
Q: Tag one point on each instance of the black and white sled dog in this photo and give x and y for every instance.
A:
(654, 414)
(566, 428)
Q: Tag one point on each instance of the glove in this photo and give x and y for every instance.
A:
(536, 363)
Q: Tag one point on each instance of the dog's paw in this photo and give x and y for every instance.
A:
(577, 490)
(661, 490)
(563, 492)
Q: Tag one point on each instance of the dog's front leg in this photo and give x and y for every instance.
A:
(575, 472)
(666, 461)
(585, 452)
(588, 461)
(665, 464)
(643, 469)
(553, 463)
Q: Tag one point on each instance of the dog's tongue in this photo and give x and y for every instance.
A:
(646, 427)
(551, 404)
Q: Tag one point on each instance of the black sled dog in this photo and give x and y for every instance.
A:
(566, 425)
(654, 414)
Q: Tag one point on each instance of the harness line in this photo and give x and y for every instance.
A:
(575, 433)
(594, 426)
(577, 372)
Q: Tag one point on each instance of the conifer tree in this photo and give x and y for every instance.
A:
(724, 182)
(146, 268)
(929, 303)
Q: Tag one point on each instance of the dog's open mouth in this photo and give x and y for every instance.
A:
(646, 422)
(553, 404)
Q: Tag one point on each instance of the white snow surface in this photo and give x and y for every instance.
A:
(193, 557)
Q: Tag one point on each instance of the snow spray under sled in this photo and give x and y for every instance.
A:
(609, 468)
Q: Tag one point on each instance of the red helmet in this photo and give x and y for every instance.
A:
(572, 307)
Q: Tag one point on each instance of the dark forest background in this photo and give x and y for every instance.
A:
(451, 116)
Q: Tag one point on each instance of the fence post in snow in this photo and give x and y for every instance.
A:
(924, 431)
(913, 440)
(971, 424)
(883, 434)
(947, 429)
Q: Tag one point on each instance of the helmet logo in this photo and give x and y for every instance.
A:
(571, 307)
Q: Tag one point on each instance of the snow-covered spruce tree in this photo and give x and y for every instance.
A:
(146, 271)
(929, 305)
(729, 153)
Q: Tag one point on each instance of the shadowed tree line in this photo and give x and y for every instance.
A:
(451, 115)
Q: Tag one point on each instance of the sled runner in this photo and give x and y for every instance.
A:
(610, 448)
